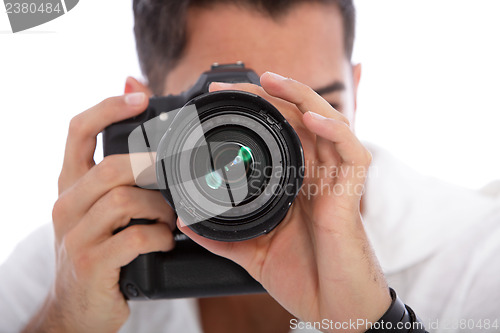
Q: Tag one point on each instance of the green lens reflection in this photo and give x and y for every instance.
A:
(244, 155)
(214, 180)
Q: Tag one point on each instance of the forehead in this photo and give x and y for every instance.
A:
(305, 44)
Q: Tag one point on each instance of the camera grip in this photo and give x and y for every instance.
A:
(187, 271)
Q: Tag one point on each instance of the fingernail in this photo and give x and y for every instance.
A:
(316, 116)
(276, 76)
(135, 99)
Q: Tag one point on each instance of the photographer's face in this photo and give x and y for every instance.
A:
(306, 45)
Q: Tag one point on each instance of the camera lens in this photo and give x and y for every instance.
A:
(232, 163)
(236, 160)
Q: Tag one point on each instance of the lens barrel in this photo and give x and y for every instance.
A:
(231, 164)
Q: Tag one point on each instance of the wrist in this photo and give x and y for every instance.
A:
(398, 318)
(380, 306)
(48, 319)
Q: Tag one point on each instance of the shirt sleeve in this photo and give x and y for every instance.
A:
(25, 279)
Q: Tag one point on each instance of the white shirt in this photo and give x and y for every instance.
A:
(438, 244)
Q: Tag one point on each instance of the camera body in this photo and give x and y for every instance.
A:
(115, 136)
(241, 140)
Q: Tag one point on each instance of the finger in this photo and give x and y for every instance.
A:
(73, 204)
(235, 251)
(349, 148)
(252, 88)
(126, 245)
(217, 247)
(117, 207)
(326, 153)
(85, 127)
(279, 103)
(249, 254)
(305, 98)
(289, 110)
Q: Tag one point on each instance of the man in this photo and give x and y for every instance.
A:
(318, 262)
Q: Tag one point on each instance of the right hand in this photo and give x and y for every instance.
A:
(94, 200)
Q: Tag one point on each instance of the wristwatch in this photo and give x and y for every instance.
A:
(399, 318)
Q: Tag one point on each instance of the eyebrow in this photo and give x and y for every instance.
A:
(332, 87)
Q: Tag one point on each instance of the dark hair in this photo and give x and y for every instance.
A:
(160, 29)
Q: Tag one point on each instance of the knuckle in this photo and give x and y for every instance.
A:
(136, 237)
(82, 264)
(77, 126)
(120, 197)
(61, 182)
(59, 212)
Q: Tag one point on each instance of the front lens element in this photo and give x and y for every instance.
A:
(236, 161)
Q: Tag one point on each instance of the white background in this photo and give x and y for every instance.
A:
(429, 92)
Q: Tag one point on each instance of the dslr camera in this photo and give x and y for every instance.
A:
(230, 166)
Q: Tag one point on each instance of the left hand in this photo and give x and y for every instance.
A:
(317, 263)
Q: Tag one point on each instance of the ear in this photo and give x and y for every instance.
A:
(356, 76)
(133, 85)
